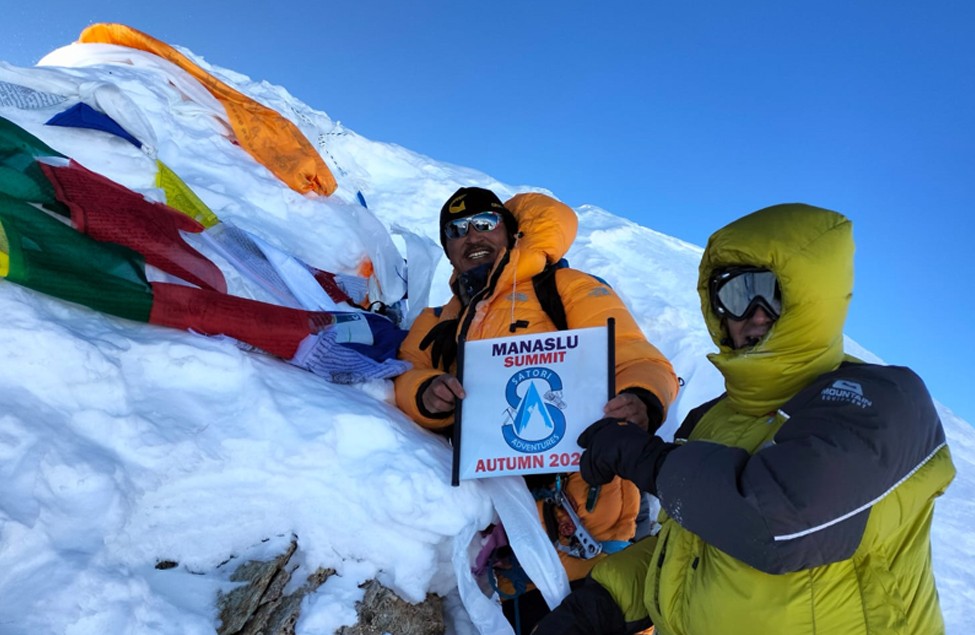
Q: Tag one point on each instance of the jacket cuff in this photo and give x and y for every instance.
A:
(655, 409)
(419, 402)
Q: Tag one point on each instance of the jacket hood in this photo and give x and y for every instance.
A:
(810, 250)
(546, 229)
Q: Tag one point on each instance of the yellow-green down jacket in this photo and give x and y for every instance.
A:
(547, 229)
(802, 500)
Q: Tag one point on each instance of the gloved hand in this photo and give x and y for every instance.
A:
(588, 610)
(616, 447)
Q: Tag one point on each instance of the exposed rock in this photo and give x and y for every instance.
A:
(382, 611)
(247, 608)
(260, 606)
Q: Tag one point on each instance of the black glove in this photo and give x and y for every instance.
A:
(616, 447)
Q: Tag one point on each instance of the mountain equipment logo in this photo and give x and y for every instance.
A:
(538, 423)
(457, 205)
(848, 391)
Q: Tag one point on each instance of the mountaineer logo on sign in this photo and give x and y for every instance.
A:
(538, 423)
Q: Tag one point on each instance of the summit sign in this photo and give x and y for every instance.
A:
(528, 399)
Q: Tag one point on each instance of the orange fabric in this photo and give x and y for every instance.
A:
(267, 136)
(548, 229)
(613, 517)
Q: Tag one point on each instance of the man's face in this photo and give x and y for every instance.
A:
(476, 248)
(749, 331)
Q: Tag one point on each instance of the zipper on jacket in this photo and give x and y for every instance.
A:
(471, 309)
(660, 569)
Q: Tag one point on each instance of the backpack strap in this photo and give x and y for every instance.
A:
(548, 294)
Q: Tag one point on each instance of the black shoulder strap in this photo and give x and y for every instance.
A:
(548, 294)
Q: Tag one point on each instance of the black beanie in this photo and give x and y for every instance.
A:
(468, 201)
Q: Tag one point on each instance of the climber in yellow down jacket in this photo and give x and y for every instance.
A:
(496, 249)
(801, 500)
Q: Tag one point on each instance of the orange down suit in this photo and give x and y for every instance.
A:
(546, 231)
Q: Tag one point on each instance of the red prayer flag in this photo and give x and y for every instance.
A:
(109, 212)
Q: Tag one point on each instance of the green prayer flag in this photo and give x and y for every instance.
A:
(49, 256)
(20, 176)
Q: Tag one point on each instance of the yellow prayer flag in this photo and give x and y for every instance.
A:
(4, 253)
(179, 196)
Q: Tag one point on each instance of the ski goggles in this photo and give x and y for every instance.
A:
(481, 222)
(737, 291)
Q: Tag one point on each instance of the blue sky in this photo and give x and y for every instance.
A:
(679, 116)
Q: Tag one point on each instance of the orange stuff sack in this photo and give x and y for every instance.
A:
(271, 139)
